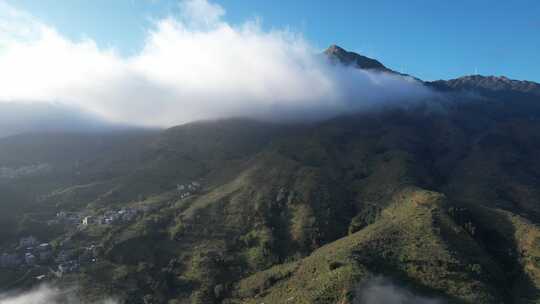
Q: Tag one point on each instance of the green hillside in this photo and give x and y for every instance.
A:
(441, 200)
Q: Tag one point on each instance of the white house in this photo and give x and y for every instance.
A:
(88, 220)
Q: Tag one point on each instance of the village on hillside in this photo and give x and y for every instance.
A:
(58, 257)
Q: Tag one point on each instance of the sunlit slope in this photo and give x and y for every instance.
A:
(414, 241)
(442, 199)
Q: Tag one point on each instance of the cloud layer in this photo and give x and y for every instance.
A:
(193, 66)
(23, 117)
(382, 291)
(45, 294)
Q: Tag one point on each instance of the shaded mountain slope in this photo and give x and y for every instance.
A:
(441, 197)
(313, 186)
(277, 199)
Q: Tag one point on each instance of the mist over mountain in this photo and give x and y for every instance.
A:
(379, 290)
(439, 197)
(47, 295)
(194, 67)
(431, 185)
(30, 117)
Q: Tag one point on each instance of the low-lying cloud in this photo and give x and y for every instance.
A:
(23, 117)
(193, 66)
(380, 290)
(45, 294)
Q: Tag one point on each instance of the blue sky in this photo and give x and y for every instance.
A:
(429, 39)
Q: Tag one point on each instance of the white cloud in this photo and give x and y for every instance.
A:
(201, 13)
(16, 24)
(45, 294)
(379, 290)
(193, 67)
(21, 117)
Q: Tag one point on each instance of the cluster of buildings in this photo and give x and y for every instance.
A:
(67, 257)
(66, 218)
(110, 217)
(124, 215)
(70, 260)
(188, 189)
(29, 253)
(64, 259)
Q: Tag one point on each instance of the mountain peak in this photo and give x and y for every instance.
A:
(334, 49)
(338, 54)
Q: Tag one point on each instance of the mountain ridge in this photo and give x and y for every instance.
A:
(337, 53)
(493, 83)
(443, 203)
(464, 83)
